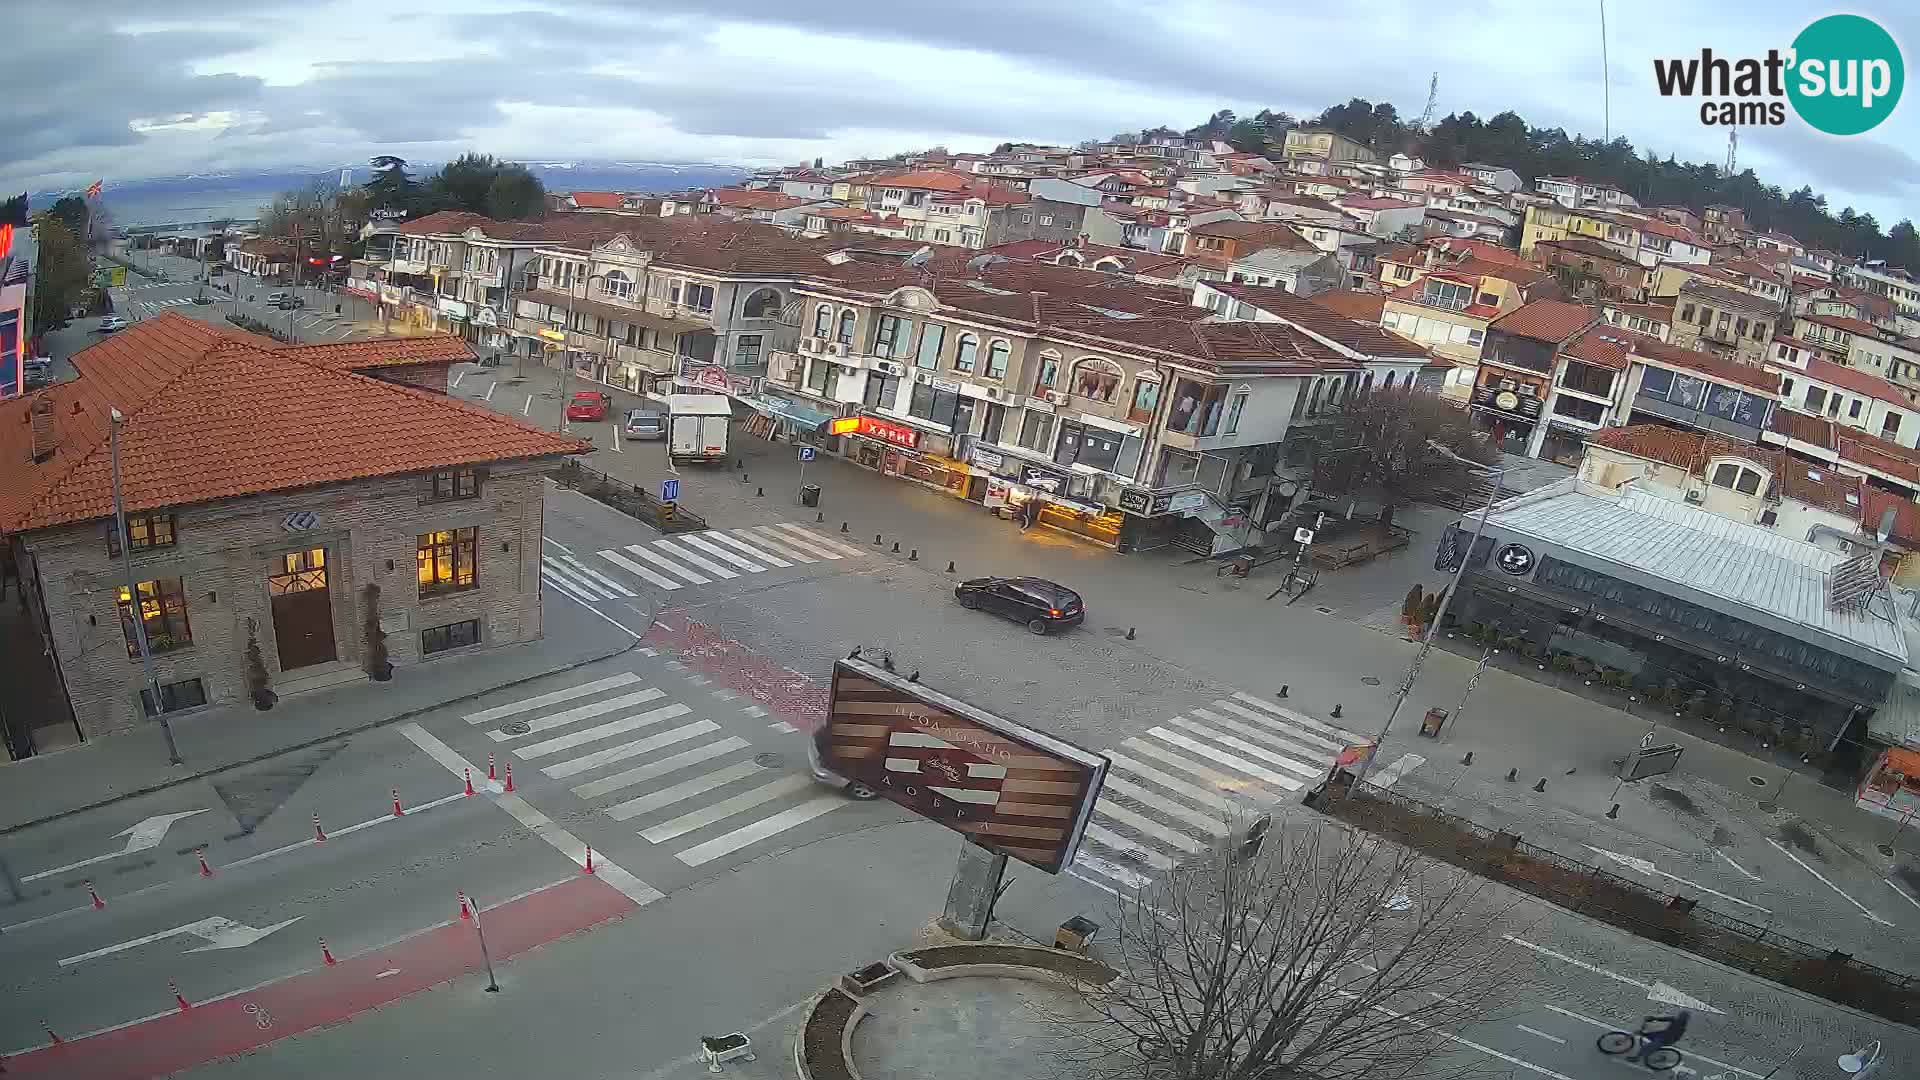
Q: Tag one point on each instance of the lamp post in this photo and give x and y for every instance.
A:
(1860, 1063)
(115, 419)
(1446, 600)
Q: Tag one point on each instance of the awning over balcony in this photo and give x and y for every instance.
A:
(617, 312)
(791, 412)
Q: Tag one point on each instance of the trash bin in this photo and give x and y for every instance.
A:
(809, 494)
(1431, 724)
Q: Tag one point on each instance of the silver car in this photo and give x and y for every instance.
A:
(645, 424)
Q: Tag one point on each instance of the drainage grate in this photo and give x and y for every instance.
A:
(1323, 609)
(518, 727)
(769, 761)
(1758, 781)
(1370, 680)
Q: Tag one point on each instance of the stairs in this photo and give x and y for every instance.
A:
(319, 677)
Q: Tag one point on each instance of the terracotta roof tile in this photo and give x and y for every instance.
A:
(211, 416)
(1855, 380)
(1352, 303)
(1891, 458)
(1906, 514)
(1552, 321)
(750, 199)
(1654, 442)
(1819, 486)
(598, 200)
(1704, 363)
(1800, 427)
(1361, 337)
(1602, 345)
(383, 352)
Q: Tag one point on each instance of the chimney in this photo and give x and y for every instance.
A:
(45, 435)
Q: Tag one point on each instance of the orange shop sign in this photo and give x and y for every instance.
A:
(889, 432)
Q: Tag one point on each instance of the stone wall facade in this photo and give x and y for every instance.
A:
(225, 554)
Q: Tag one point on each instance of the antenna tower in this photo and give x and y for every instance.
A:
(1733, 150)
(1433, 101)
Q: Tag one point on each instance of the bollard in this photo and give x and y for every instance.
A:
(509, 776)
(52, 1035)
(949, 566)
(1283, 691)
(843, 526)
(1542, 785)
(588, 868)
(877, 541)
(1336, 710)
(1129, 633)
(1614, 814)
(179, 999)
(759, 493)
(319, 834)
(465, 914)
(1513, 775)
(914, 555)
(1468, 760)
(469, 776)
(819, 517)
(896, 547)
(490, 775)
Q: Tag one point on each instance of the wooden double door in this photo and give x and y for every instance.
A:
(303, 610)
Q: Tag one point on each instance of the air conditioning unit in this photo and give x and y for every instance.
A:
(994, 393)
(1056, 397)
(839, 348)
(1695, 497)
(810, 344)
(890, 367)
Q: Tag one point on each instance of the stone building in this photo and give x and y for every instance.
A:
(268, 490)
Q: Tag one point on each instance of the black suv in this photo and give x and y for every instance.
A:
(1043, 605)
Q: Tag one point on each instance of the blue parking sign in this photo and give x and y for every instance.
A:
(670, 490)
(806, 453)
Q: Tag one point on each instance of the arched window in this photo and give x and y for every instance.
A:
(1299, 405)
(1047, 375)
(1366, 384)
(822, 321)
(764, 304)
(618, 284)
(1388, 384)
(997, 354)
(845, 336)
(965, 353)
(1313, 403)
(1095, 378)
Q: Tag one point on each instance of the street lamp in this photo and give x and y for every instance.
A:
(1860, 1063)
(115, 419)
(1446, 599)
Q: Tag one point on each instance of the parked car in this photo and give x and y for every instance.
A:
(1042, 605)
(589, 405)
(288, 302)
(276, 297)
(111, 323)
(645, 424)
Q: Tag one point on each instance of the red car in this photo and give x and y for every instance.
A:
(588, 405)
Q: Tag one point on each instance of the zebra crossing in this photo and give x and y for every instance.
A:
(688, 559)
(1179, 788)
(681, 781)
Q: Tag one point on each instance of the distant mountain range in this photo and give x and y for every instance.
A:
(240, 193)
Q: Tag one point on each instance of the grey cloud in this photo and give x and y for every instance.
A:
(1860, 165)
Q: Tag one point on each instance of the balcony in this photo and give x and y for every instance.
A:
(407, 266)
(647, 359)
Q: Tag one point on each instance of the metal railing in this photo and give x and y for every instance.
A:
(632, 500)
(1670, 918)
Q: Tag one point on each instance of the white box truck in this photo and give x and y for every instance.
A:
(697, 426)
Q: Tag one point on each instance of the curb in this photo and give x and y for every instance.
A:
(329, 737)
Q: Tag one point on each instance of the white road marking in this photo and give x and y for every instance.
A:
(1200, 795)
(1391, 775)
(1148, 797)
(1605, 1025)
(581, 712)
(1299, 718)
(719, 552)
(1113, 841)
(1120, 874)
(558, 572)
(1656, 990)
(1823, 880)
(614, 440)
(791, 551)
(1541, 1034)
(143, 835)
(586, 762)
(542, 826)
(541, 701)
(686, 789)
(557, 544)
(603, 731)
(726, 808)
(455, 385)
(528, 407)
(491, 387)
(768, 534)
(1143, 824)
(1646, 867)
(681, 553)
(817, 539)
(662, 767)
(1290, 742)
(1751, 876)
(741, 545)
(782, 727)
(218, 931)
(1229, 760)
(606, 582)
(671, 565)
(1188, 765)
(1306, 736)
(1902, 892)
(727, 843)
(638, 571)
(572, 590)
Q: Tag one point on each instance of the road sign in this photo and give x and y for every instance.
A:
(1303, 536)
(670, 490)
(806, 453)
(1013, 790)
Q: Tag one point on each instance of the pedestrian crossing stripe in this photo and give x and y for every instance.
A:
(689, 559)
(1180, 786)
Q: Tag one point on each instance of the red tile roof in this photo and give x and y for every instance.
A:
(1374, 202)
(1704, 363)
(1264, 233)
(1552, 321)
(598, 200)
(1352, 303)
(382, 352)
(1602, 345)
(1851, 326)
(1311, 317)
(1859, 448)
(926, 179)
(1855, 380)
(1654, 442)
(1906, 514)
(1800, 427)
(210, 415)
(748, 199)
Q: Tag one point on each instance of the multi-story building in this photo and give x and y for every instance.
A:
(1848, 397)
(1891, 282)
(1517, 369)
(17, 332)
(1687, 388)
(1572, 191)
(270, 496)
(1722, 223)
(1725, 321)
(1494, 176)
(947, 208)
(1308, 145)
(1450, 304)
(1593, 270)
(1384, 216)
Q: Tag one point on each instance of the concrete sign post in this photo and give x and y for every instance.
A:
(970, 897)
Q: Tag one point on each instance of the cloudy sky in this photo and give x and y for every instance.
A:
(129, 88)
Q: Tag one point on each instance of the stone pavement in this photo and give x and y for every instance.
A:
(117, 767)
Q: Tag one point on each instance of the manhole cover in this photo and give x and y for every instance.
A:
(1323, 609)
(518, 727)
(769, 761)
(1758, 781)
(1370, 680)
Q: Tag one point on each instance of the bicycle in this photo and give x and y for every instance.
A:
(1657, 1059)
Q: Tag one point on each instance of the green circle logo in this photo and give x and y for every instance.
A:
(1847, 75)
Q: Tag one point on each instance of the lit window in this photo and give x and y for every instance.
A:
(447, 561)
(163, 614)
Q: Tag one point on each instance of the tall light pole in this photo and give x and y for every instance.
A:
(115, 419)
(1446, 600)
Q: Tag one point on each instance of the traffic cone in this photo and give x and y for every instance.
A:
(465, 914)
(490, 775)
(178, 998)
(52, 1035)
(588, 868)
(397, 812)
(509, 776)
(205, 870)
(319, 834)
(469, 775)
(95, 894)
(326, 953)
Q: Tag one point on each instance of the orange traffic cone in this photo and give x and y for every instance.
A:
(178, 998)
(205, 870)
(469, 775)
(509, 776)
(465, 914)
(326, 953)
(95, 894)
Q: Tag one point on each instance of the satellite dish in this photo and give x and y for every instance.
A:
(983, 262)
(919, 258)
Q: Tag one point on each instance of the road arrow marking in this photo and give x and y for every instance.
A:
(1645, 866)
(1656, 991)
(146, 834)
(219, 932)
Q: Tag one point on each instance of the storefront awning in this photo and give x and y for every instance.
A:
(802, 418)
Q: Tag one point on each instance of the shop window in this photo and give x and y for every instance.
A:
(1096, 379)
(932, 337)
(1036, 432)
(163, 615)
(965, 353)
(1088, 446)
(447, 561)
(438, 639)
(452, 484)
(997, 354)
(174, 696)
(144, 531)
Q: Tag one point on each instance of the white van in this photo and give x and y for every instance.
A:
(697, 426)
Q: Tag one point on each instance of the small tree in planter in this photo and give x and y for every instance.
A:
(379, 668)
(263, 695)
(1410, 608)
